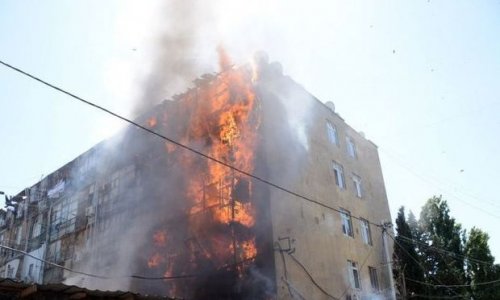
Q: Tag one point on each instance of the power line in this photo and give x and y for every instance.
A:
(118, 277)
(444, 250)
(311, 277)
(360, 268)
(439, 297)
(434, 184)
(417, 262)
(53, 264)
(454, 285)
(185, 147)
(285, 270)
(94, 275)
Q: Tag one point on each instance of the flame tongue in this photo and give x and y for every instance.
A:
(221, 213)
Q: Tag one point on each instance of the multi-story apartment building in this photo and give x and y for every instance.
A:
(241, 187)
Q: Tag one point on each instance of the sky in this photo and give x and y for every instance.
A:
(420, 78)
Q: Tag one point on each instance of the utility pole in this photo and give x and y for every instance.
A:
(403, 284)
(385, 226)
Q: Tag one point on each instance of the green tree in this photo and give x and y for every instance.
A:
(443, 257)
(406, 259)
(480, 266)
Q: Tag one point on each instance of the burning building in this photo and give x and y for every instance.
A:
(244, 187)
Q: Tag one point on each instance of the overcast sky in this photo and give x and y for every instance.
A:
(420, 78)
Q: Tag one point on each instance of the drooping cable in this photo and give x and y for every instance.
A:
(311, 277)
(418, 263)
(183, 146)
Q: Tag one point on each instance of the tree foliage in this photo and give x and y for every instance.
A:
(405, 257)
(480, 266)
(434, 257)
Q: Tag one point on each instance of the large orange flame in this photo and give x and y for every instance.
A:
(224, 120)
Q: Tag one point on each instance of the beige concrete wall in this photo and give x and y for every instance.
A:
(319, 242)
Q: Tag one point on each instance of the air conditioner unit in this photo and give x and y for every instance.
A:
(89, 211)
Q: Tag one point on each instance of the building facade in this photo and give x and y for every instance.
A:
(271, 195)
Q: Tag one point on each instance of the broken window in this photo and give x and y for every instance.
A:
(10, 272)
(37, 227)
(19, 235)
(63, 218)
(90, 199)
(30, 271)
(114, 185)
(55, 251)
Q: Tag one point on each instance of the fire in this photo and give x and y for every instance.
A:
(160, 238)
(223, 123)
(152, 122)
(155, 260)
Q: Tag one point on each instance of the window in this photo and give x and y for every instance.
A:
(374, 278)
(19, 235)
(351, 147)
(30, 271)
(55, 251)
(10, 272)
(351, 297)
(352, 267)
(90, 199)
(339, 175)
(365, 232)
(37, 227)
(345, 216)
(357, 186)
(332, 133)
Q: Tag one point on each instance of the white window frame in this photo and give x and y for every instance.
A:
(358, 188)
(374, 278)
(354, 277)
(338, 173)
(345, 217)
(332, 133)
(351, 147)
(366, 233)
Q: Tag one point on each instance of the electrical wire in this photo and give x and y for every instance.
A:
(117, 277)
(185, 147)
(285, 270)
(444, 251)
(53, 264)
(439, 297)
(360, 268)
(311, 277)
(455, 285)
(398, 161)
(417, 262)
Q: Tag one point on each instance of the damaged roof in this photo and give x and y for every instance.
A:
(12, 289)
